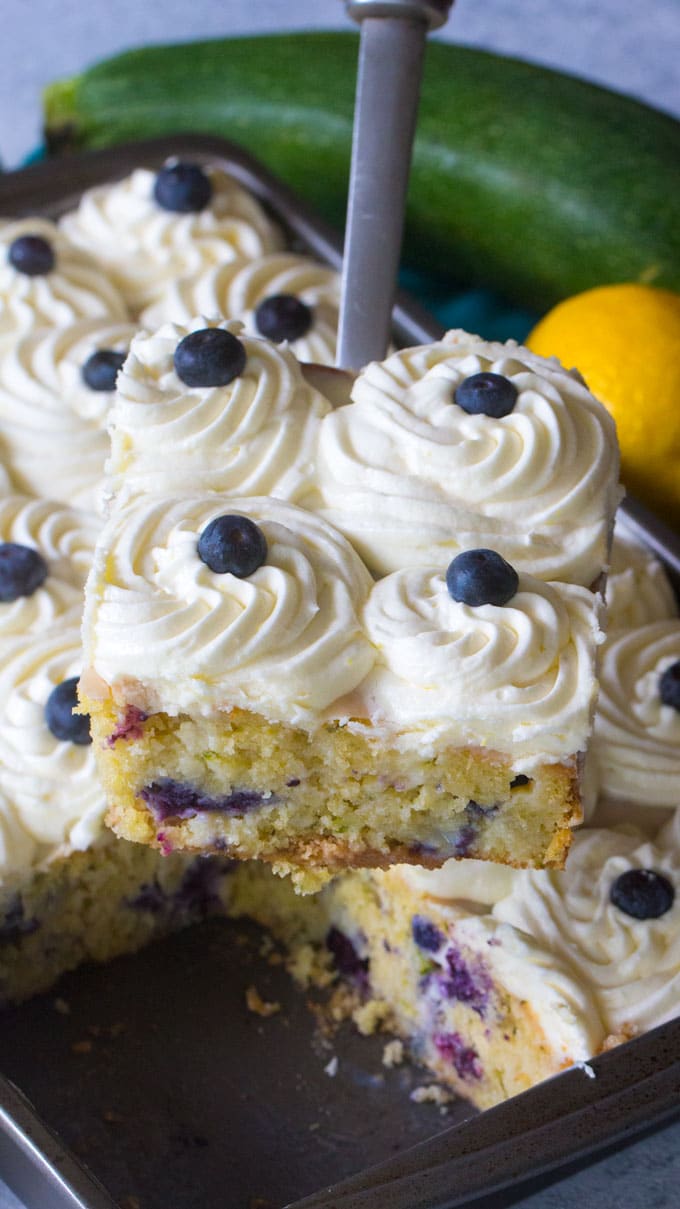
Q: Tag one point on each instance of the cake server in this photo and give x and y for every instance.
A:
(391, 51)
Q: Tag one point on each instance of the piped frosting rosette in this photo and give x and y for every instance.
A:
(52, 423)
(236, 290)
(255, 436)
(73, 288)
(411, 478)
(638, 590)
(636, 741)
(64, 538)
(631, 964)
(50, 783)
(448, 672)
(285, 641)
(143, 247)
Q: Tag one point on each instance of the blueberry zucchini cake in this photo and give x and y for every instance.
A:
(288, 705)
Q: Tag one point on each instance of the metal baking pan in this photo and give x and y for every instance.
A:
(146, 1084)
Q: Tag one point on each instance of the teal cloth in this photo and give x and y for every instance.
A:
(479, 311)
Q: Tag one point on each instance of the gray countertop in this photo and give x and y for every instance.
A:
(634, 48)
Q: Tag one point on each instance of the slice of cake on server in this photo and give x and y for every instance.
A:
(255, 690)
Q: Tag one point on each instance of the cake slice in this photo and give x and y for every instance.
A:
(254, 692)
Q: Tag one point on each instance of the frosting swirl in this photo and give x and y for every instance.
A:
(285, 642)
(65, 537)
(636, 741)
(412, 479)
(56, 800)
(256, 436)
(74, 289)
(235, 290)
(52, 425)
(517, 678)
(144, 247)
(632, 965)
(638, 590)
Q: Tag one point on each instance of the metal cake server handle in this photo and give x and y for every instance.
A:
(391, 51)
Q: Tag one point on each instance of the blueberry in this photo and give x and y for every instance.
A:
(232, 543)
(479, 577)
(209, 357)
(182, 188)
(283, 317)
(426, 934)
(487, 395)
(22, 571)
(346, 958)
(669, 685)
(642, 893)
(32, 255)
(60, 718)
(101, 369)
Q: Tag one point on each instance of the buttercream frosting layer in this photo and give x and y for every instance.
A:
(65, 537)
(235, 290)
(144, 247)
(74, 289)
(412, 479)
(52, 425)
(55, 801)
(638, 590)
(517, 678)
(631, 965)
(256, 436)
(636, 741)
(284, 642)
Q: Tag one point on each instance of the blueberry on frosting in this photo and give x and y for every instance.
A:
(182, 188)
(22, 571)
(232, 544)
(31, 255)
(486, 394)
(642, 893)
(60, 718)
(283, 317)
(209, 357)
(669, 685)
(101, 369)
(479, 577)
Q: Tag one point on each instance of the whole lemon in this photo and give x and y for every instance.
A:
(625, 340)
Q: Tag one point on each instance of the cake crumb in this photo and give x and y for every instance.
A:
(82, 1047)
(255, 1003)
(371, 1016)
(130, 1202)
(111, 1117)
(331, 1068)
(60, 1005)
(586, 1068)
(431, 1093)
(310, 966)
(393, 1053)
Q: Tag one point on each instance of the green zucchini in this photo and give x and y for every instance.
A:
(526, 180)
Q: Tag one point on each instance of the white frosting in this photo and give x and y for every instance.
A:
(638, 590)
(74, 289)
(516, 678)
(55, 801)
(636, 740)
(52, 425)
(256, 436)
(144, 247)
(65, 537)
(412, 479)
(235, 290)
(468, 881)
(632, 966)
(284, 642)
